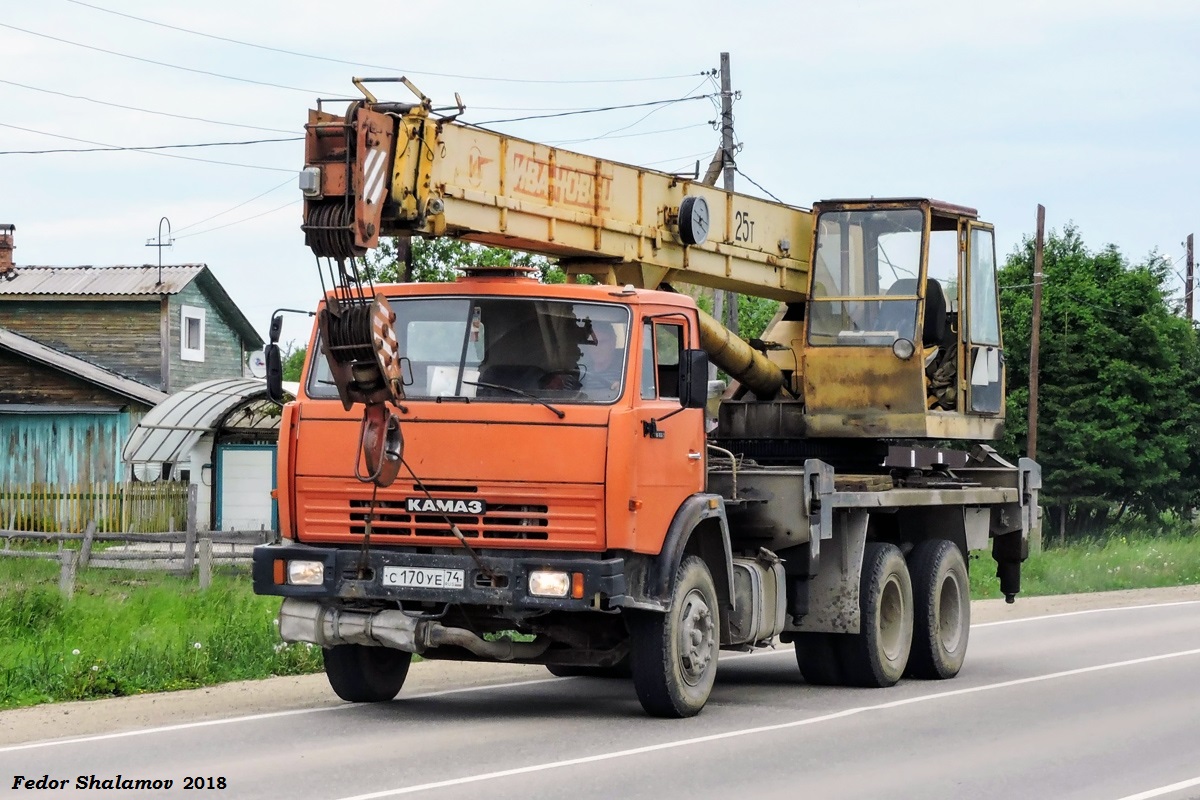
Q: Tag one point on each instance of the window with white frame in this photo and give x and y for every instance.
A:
(191, 333)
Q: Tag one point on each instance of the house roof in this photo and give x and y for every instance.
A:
(171, 429)
(128, 281)
(89, 280)
(85, 370)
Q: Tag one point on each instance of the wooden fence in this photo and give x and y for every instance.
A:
(183, 553)
(114, 507)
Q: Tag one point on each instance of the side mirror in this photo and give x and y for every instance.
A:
(693, 378)
(274, 371)
(276, 328)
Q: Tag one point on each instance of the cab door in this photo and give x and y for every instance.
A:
(982, 345)
(669, 447)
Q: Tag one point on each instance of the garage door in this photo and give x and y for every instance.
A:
(245, 478)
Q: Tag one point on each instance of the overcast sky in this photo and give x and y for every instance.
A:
(1087, 106)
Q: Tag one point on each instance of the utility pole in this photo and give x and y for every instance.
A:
(727, 144)
(1035, 333)
(1190, 282)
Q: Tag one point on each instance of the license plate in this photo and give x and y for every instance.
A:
(423, 577)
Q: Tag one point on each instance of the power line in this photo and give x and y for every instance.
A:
(299, 54)
(144, 110)
(629, 135)
(593, 110)
(756, 183)
(172, 66)
(238, 221)
(151, 152)
(146, 148)
(674, 159)
(235, 208)
(645, 116)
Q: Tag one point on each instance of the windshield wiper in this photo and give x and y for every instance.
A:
(520, 392)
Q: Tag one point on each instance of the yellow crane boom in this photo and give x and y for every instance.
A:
(393, 169)
(900, 337)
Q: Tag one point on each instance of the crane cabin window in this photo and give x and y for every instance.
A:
(865, 277)
(504, 349)
(984, 318)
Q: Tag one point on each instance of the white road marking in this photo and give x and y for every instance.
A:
(716, 737)
(100, 737)
(1085, 611)
(485, 687)
(1160, 791)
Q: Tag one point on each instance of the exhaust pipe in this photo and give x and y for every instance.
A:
(329, 626)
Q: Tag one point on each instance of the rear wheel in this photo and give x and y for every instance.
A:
(942, 610)
(816, 655)
(674, 655)
(360, 674)
(877, 655)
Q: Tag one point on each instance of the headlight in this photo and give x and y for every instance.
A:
(306, 573)
(903, 349)
(546, 583)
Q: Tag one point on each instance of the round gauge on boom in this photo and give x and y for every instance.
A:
(693, 220)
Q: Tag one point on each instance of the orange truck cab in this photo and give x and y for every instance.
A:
(560, 429)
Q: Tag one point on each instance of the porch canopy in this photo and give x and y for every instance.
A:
(171, 429)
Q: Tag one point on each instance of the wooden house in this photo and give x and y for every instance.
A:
(86, 352)
(167, 328)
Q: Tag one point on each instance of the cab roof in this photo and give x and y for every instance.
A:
(937, 206)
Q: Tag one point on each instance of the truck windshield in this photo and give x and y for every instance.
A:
(865, 277)
(504, 349)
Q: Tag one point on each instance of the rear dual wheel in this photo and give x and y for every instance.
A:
(817, 657)
(942, 609)
(618, 670)
(916, 619)
(877, 655)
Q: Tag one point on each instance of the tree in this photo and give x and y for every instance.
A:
(293, 361)
(443, 259)
(1118, 413)
(753, 312)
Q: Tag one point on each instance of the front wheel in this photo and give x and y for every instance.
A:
(674, 655)
(361, 674)
(942, 603)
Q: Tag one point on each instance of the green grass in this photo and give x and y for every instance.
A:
(129, 632)
(1118, 561)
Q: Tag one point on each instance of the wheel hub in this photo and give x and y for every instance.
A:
(696, 638)
(891, 619)
(950, 614)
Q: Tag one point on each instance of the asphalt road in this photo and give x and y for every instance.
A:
(1102, 704)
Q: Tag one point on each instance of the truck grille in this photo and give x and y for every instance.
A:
(500, 521)
(568, 516)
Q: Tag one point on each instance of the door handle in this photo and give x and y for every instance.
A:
(694, 456)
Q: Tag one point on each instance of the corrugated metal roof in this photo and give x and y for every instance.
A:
(86, 370)
(172, 428)
(90, 280)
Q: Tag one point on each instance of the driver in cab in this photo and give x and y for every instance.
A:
(602, 362)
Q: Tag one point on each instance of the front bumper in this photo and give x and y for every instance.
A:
(604, 583)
